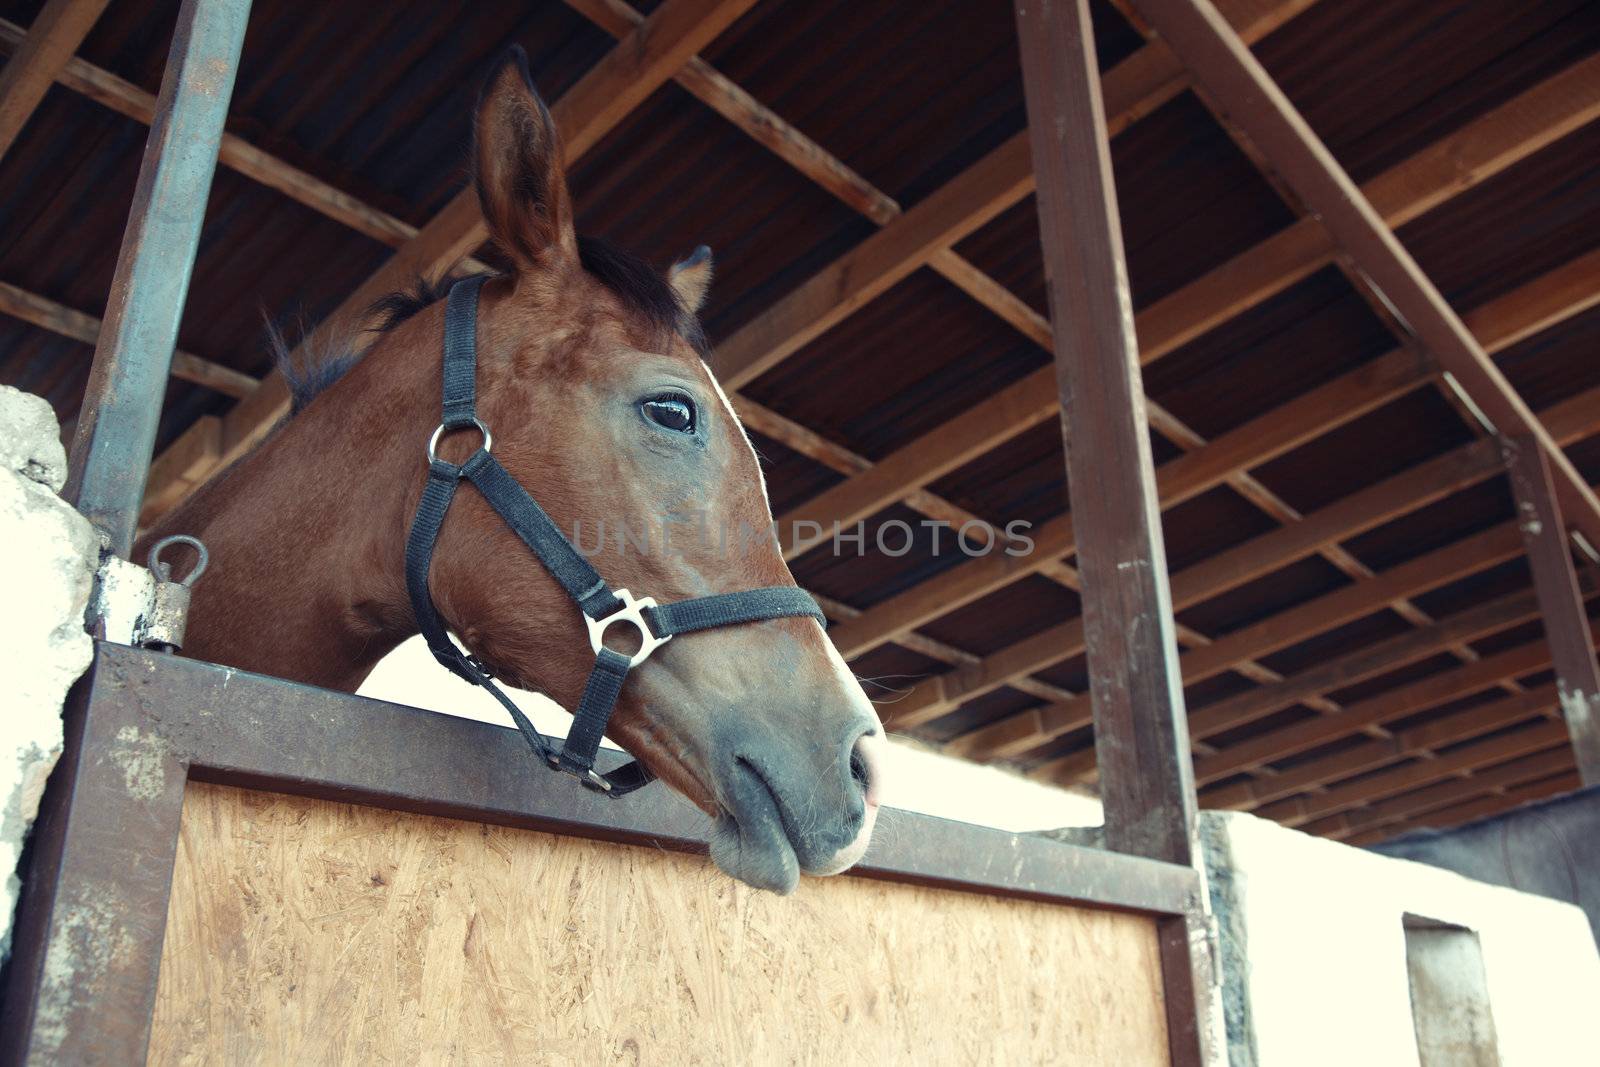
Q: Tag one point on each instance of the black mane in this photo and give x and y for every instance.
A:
(640, 287)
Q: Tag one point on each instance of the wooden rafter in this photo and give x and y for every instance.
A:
(1560, 598)
(1432, 691)
(50, 42)
(1455, 764)
(1132, 89)
(234, 152)
(622, 80)
(1371, 755)
(1484, 147)
(60, 319)
(1322, 408)
(1494, 802)
(1222, 65)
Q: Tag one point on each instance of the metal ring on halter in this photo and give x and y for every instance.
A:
(163, 571)
(632, 611)
(433, 442)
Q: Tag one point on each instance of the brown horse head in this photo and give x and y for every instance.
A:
(592, 380)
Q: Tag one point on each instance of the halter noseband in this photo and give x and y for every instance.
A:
(601, 606)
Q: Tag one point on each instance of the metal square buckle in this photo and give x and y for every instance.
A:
(632, 611)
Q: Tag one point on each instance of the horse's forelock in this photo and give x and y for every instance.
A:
(641, 288)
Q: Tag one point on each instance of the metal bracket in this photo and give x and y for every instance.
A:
(632, 611)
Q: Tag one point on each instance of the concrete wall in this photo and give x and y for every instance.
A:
(1551, 847)
(47, 571)
(1314, 947)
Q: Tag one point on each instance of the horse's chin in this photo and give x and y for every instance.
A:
(754, 848)
(755, 851)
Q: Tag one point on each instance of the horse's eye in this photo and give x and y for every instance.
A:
(672, 412)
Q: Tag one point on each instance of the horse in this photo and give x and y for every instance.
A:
(593, 376)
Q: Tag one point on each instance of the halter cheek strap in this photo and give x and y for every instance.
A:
(601, 606)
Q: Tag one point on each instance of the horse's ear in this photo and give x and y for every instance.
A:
(520, 174)
(691, 278)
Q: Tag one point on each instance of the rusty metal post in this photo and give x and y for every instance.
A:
(122, 405)
(1566, 623)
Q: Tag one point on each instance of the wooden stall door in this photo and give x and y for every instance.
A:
(302, 931)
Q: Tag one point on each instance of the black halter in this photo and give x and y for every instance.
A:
(601, 606)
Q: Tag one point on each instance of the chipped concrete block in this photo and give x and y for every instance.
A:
(47, 571)
(30, 440)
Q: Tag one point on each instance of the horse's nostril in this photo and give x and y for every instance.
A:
(858, 769)
(866, 766)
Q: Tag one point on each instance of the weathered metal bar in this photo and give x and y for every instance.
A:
(1223, 68)
(86, 946)
(1136, 689)
(141, 724)
(1561, 600)
(122, 406)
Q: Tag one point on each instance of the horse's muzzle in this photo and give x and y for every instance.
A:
(785, 812)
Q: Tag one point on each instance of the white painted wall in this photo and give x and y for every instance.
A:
(918, 779)
(1315, 953)
(47, 571)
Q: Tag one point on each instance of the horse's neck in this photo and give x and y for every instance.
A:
(306, 536)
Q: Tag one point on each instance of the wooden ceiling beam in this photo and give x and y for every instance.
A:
(1132, 89)
(1561, 599)
(1445, 169)
(1465, 557)
(234, 152)
(68, 322)
(1272, 434)
(1376, 659)
(1573, 419)
(1533, 767)
(1252, 444)
(1534, 737)
(1222, 66)
(720, 93)
(1493, 803)
(49, 44)
(622, 80)
(1498, 323)
(1374, 754)
(1436, 689)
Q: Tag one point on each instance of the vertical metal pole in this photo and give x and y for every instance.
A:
(1566, 623)
(122, 404)
(1136, 688)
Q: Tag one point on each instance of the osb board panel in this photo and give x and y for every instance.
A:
(303, 931)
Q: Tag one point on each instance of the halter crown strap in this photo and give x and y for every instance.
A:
(600, 605)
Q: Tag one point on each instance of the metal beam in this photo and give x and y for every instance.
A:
(116, 431)
(1222, 66)
(1136, 689)
(1566, 623)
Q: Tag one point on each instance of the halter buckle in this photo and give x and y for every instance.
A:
(632, 611)
(591, 779)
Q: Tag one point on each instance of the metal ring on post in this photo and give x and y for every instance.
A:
(433, 442)
(163, 571)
